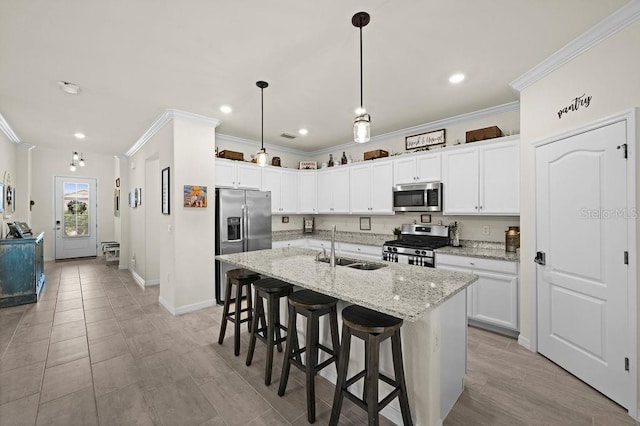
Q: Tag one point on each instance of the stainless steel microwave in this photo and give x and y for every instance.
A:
(418, 197)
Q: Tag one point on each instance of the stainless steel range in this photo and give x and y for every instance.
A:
(416, 245)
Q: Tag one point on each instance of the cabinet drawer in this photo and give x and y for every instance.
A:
(477, 263)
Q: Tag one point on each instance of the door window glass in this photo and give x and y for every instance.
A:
(76, 209)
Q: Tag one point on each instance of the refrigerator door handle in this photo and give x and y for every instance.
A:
(244, 229)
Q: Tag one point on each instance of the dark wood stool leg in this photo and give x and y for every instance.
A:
(254, 329)
(333, 324)
(236, 323)
(311, 362)
(289, 347)
(276, 307)
(272, 326)
(343, 366)
(249, 307)
(371, 378)
(225, 311)
(398, 369)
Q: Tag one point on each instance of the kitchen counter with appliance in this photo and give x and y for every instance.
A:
(433, 303)
(483, 252)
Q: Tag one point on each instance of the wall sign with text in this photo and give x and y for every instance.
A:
(575, 104)
(425, 139)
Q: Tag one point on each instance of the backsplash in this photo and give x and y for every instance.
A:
(472, 228)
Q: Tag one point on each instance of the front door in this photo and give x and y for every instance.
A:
(581, 227)
(75, 217)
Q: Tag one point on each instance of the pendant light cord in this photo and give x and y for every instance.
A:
(361, 101)
(262, 119)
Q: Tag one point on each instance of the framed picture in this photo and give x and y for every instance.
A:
(427, 140)
(425, 218)
(139, 196)
(285, 219)
(116, 202)
(118, 183)
(365, 224)
(195, 196)
(132, 199)
(166, 209)
(308, 165)
(1, 197)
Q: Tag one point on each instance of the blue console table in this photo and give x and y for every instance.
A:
(21, 270)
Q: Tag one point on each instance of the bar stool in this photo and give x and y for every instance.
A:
(240, 279)
(373, 327)
(312, 305)
(272, 290)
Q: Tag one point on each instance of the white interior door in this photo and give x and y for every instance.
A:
(581, 226)
(75, 217)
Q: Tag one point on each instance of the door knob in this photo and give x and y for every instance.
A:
(540, 258)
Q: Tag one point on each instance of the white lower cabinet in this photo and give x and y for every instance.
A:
(493, 299)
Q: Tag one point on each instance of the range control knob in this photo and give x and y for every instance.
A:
(424, 252)
(417, 251)
(395, 249)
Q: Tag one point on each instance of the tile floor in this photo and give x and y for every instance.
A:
(98, 349)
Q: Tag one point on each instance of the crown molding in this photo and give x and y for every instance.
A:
(26, 146)
(8, 131)
(163, 119)
(421, 128)
(254, 144)
(617, 21)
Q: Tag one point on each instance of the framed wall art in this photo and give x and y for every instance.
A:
(166, 200)
(1, 197)
(116, 202)
(195, 196)
(365, 224)
(425, 140)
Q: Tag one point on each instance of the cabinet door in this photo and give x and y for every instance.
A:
(500, 179)
(360, 188)
(340, 179)
(495, 299)
(460, 178)
(248, 176)
(325, 192)
(225, 173)
(428, 168)
(289, 192)
(404, 170)
(381, 186)
(307, 197)
(271, 181)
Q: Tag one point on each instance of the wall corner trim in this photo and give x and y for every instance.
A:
(524, 342)
(186, 308)
(7, 130)
(617, 21)
(139, 280)
(163, 119)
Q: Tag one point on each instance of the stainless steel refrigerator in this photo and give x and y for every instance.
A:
(243, 223)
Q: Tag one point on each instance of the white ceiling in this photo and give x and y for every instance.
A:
(135, 59)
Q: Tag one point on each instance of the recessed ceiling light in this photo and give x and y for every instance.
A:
(70, 88)
(303, 131)
(226, 109)
(360, 110)
(79, 135)
(456, 78)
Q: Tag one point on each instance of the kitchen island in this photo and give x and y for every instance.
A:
(432, 303)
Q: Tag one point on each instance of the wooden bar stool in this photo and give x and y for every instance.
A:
(272, 290)
(312, 305)
(240, 279)
(373, 327)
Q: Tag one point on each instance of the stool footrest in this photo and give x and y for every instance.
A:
(355, 378)
(328, 361)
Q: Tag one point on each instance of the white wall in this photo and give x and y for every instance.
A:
(48, 163)
(153, 220)
(608, 72)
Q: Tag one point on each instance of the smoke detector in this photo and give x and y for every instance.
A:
(70, 88)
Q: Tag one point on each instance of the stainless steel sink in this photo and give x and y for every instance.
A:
(354, 263)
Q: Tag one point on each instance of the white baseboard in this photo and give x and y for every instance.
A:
(524, 342)
(137, 277)
(147, 283)
(123, 266)
(187, 308)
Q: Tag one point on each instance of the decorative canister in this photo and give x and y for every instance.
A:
(275, 161)
(512, 238)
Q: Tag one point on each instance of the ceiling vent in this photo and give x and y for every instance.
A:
(288, 136)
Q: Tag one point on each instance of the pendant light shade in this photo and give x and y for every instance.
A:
(362, 123)
(262, 158)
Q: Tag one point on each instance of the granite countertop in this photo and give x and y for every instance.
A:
(484, 252)
(403, 291)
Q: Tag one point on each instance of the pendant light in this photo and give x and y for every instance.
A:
(362, 122)
(261, 156)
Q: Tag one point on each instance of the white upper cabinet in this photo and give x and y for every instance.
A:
(371, 188)
(482, 180)
(417, 168)
(307, 200)
(333, 190)
(284, 189)
(237, 174)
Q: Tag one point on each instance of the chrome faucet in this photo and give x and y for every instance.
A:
(332, 260)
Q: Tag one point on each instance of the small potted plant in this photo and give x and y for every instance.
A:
(397, 232)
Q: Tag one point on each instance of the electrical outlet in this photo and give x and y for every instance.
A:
(485, 230)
